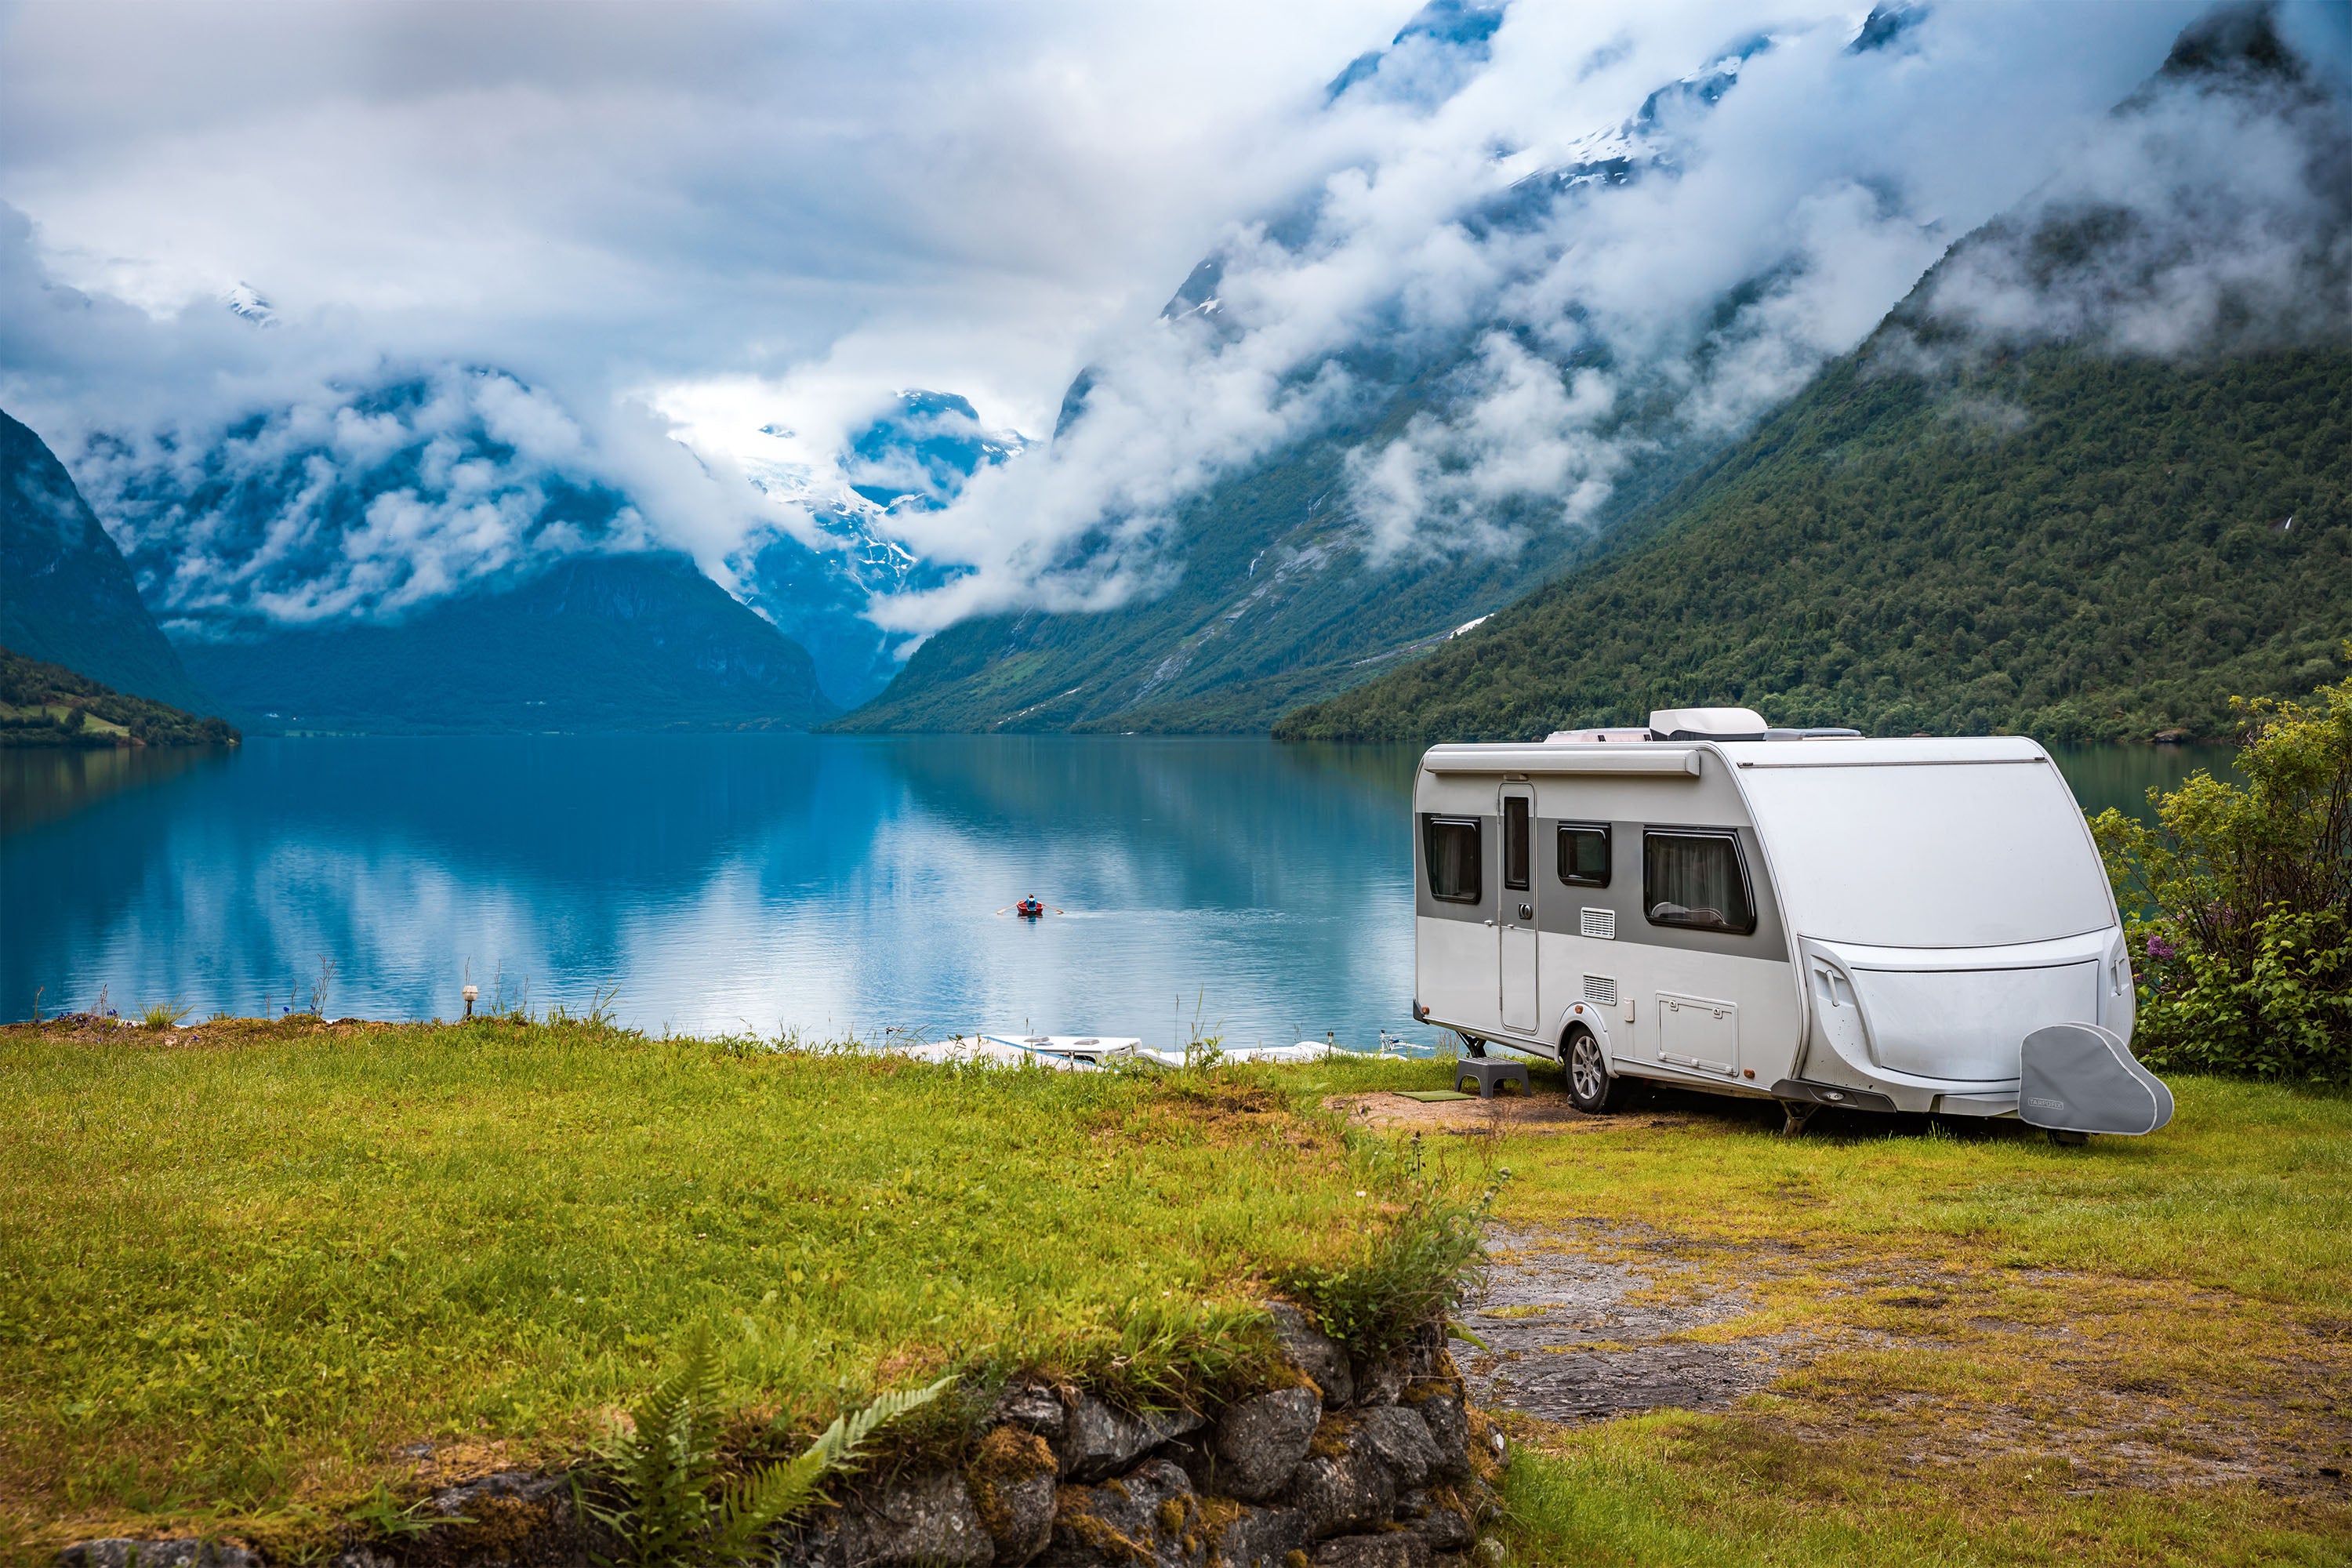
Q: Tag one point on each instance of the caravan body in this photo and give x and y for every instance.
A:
(1809, 916)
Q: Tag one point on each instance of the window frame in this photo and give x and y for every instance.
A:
(1739, 864)
(1608, 854)
(1527, 816)
(1429, 823)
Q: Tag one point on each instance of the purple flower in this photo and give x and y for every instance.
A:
(2160, 948)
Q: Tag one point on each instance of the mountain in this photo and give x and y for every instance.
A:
(434, 551)
(2063, 544)
(43, 704)
(2089, 481)
(638, 641)
(66, 594)
(916, 457)
(1366, 533)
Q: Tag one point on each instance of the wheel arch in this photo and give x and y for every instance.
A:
(1586, 1016)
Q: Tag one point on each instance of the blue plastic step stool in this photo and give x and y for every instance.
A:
(1489, 1071)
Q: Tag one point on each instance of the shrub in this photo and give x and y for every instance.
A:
(2239, 901)
(1400, 1276)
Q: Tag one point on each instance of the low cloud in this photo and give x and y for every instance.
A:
(2213, 214)
(1569, 270)
(654, 276)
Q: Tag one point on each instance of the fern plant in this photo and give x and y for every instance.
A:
(667, 1460)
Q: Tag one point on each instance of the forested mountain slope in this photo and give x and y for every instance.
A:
(67, 596)
(2091, 478)
(1471, 438)
(2063, 543)
(635, 642)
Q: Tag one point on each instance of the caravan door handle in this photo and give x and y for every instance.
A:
(1526, 912)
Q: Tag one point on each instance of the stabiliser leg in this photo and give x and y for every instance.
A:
(1795, 1113)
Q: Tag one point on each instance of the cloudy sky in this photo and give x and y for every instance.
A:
(679, 223)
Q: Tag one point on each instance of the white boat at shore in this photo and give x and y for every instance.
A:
(1097, 1053)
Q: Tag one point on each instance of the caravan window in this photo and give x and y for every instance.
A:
(1695, 881)
(1516, 850)
(1584, 854)
(1452, 846)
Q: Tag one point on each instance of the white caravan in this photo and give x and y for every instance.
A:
(1808, 916)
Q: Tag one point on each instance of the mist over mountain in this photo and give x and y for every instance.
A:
(2087, 480)
(1476, 300)
(915, 457)
(1397, 411)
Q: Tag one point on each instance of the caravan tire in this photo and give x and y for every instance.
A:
(1592, 1087)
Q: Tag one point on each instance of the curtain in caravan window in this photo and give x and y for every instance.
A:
(1451, 849)
(1693, 879)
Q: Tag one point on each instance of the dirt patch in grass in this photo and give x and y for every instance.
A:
(1538, 1113)
(1928, 1367)
(1573, 1337)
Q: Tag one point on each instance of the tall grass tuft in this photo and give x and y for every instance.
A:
(162, 1015)
(1409, 1272)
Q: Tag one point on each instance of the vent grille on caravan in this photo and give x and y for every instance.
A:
(1602, 924)
(1601, 989)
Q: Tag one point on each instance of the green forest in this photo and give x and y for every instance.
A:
(2055, 543)
(49, 705)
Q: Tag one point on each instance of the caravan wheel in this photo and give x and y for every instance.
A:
(1592, 1087)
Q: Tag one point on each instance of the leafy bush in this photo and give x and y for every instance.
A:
(2239, 901)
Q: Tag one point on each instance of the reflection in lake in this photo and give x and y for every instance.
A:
(38, 784)
(744, 882)
(2121, 776)
(748, 881)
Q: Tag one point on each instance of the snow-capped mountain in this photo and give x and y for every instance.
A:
(819, 584)
(1444, 410)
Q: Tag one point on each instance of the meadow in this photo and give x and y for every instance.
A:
(247, 1269)
(256, 1276)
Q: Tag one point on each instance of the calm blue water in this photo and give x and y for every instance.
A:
(825, 884)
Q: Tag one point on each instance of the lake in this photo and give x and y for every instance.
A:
(758, 883)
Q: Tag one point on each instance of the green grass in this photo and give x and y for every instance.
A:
(1661, 1491)
(235, 1277)
(2244, 1192)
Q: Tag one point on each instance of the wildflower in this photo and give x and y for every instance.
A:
(2158, 948)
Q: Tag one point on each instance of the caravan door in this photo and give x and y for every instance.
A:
(1515, 919)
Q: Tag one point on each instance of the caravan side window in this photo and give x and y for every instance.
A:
(1451, 847)
(1584, 853)
(1696, 880)
(1517, 850)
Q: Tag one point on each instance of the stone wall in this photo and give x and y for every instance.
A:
(1351, 1465)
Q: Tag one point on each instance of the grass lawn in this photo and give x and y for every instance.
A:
(1989, 1349)
(244, 1267)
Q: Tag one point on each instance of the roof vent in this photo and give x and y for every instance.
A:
(1708, 724)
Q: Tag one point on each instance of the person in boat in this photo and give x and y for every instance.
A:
(1029, 908)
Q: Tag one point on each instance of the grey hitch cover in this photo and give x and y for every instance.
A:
(2081, 1078)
